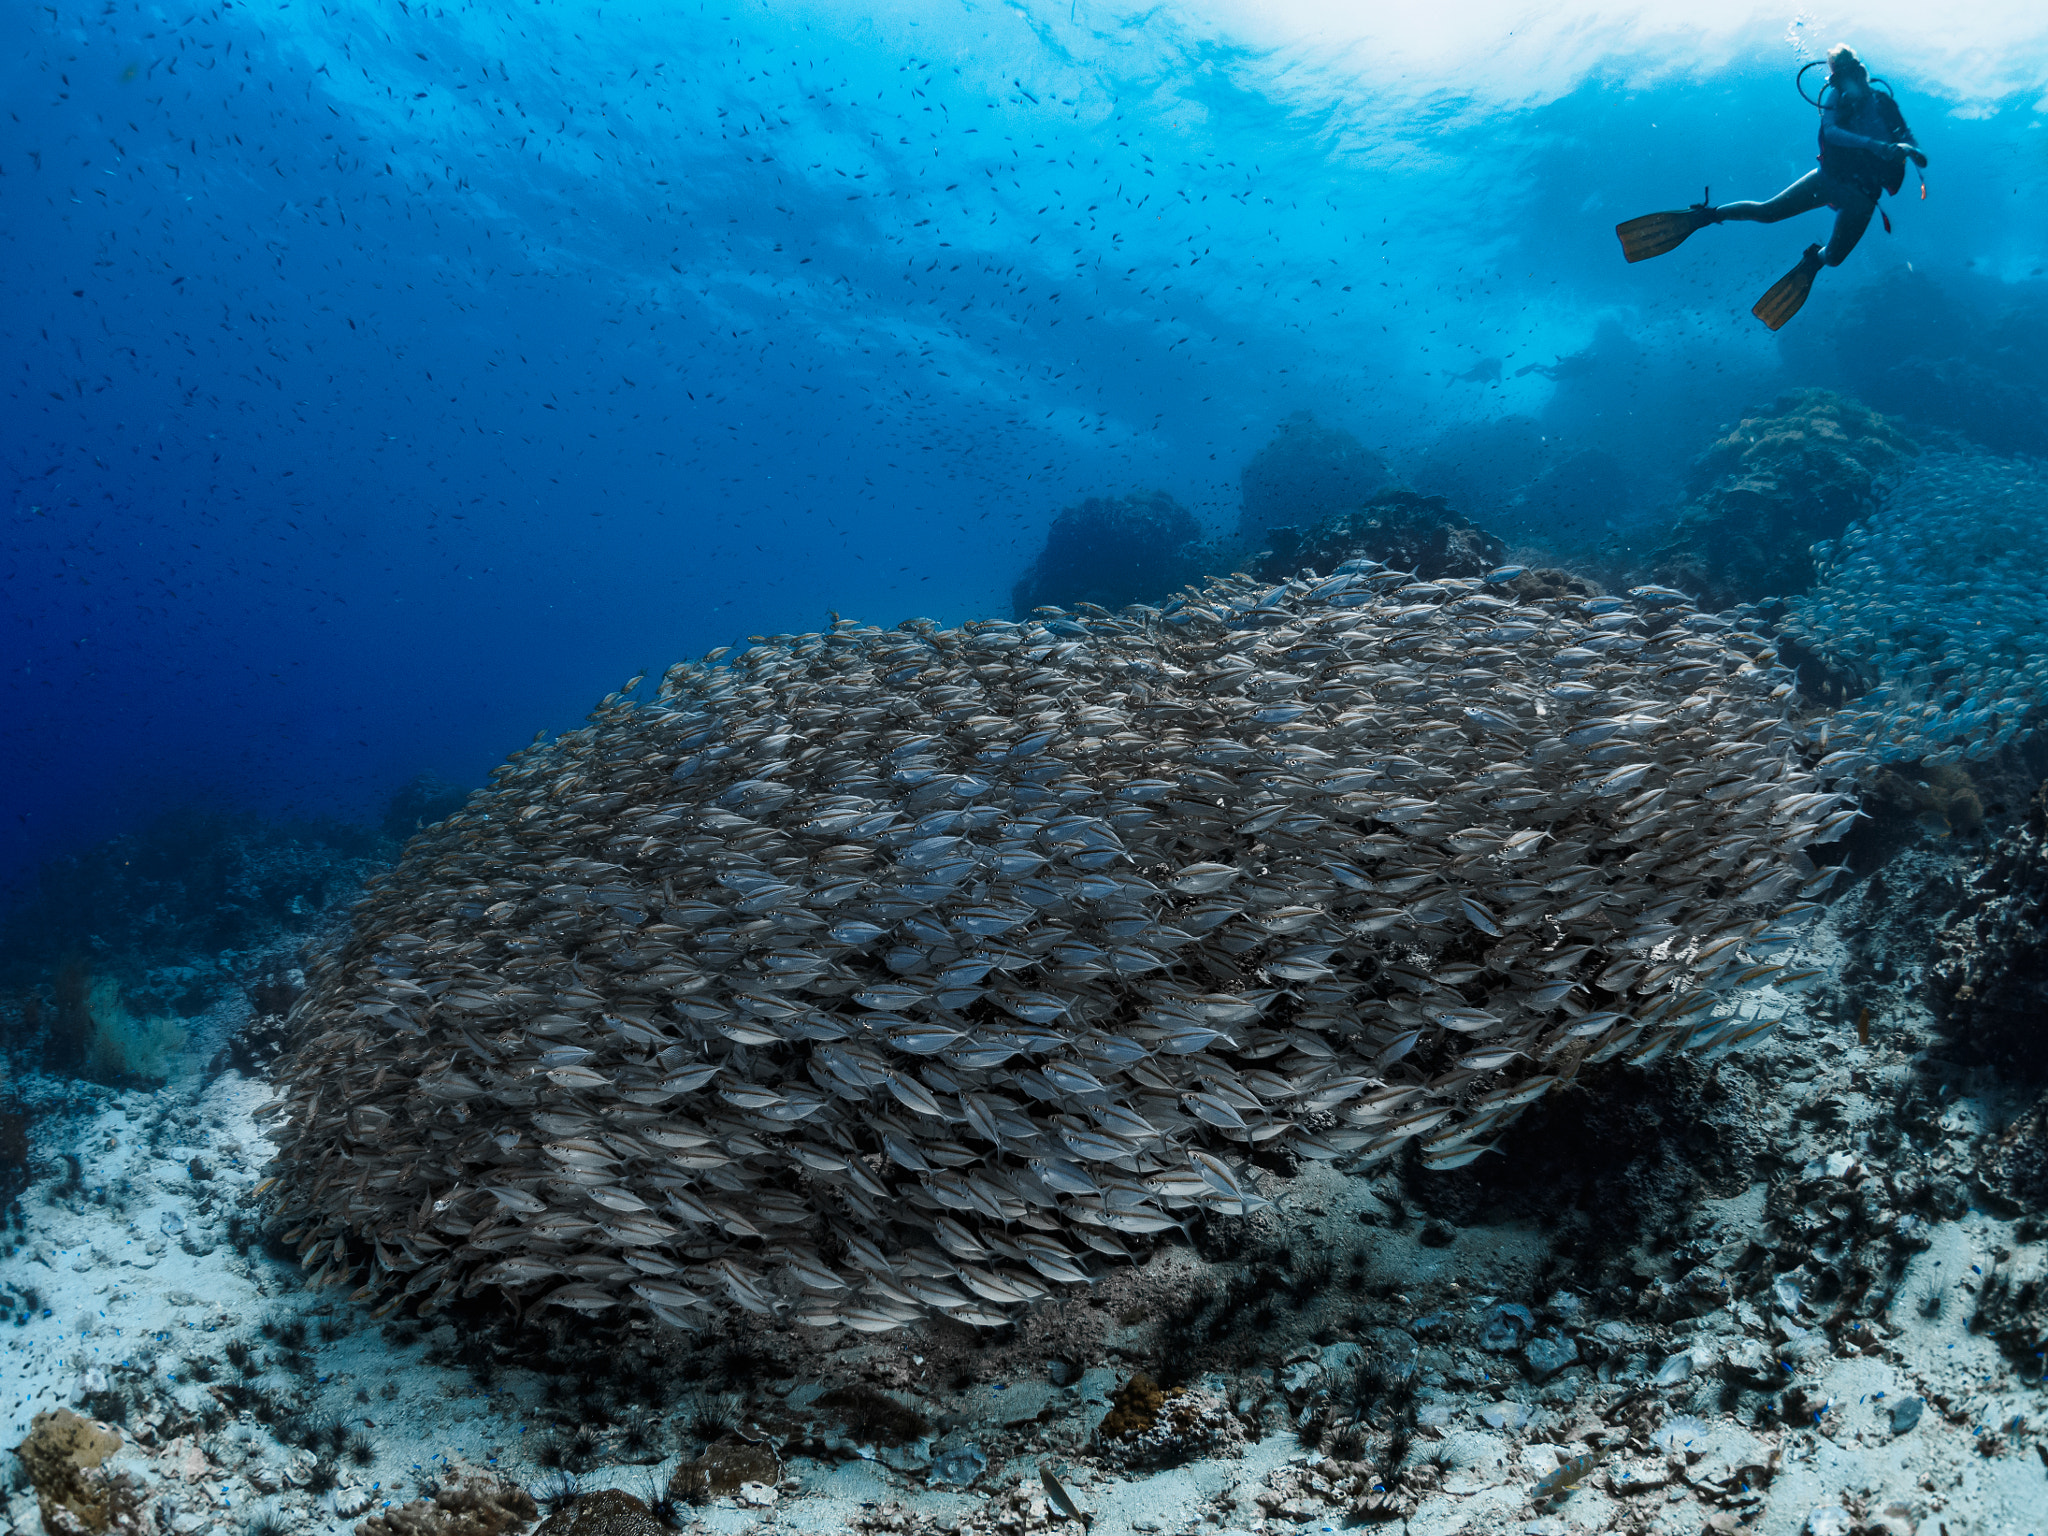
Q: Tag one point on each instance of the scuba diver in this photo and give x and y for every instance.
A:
(1864, 147)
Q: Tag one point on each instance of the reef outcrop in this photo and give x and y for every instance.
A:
(1399, 528)
(1768, 489)
(1306, 473)
(1990, 984)
(1112, 551)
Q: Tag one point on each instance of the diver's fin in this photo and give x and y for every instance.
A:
(1784, 297)
(1655, 233)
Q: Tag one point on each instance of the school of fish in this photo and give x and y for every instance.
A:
(878, 973)
(1937, 599)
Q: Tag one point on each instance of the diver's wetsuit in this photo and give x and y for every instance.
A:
(1857, 161)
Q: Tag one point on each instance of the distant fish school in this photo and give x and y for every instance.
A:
(878, 973)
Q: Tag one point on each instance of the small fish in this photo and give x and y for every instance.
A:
(1569, 1474)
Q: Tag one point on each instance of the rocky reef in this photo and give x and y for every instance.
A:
(1990, 983)
(1424, 535)
(1111, 551)
(1306, 473)
(1769, 488)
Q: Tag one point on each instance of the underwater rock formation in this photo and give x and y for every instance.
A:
(423, 799)
(1112, 551)
(76, 1494)
(193, 882)
(878, 972)
(1768, 489)
(1149, 1427)
(1938, 600)
(1483, 465)
(1420, 534)
(1306, 473)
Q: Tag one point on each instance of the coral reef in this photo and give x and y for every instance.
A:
(1398, 528)
(886, 971)
(1547, 583)
(1304, 475)
(1767, 489)
(1937, 600)
(64, 1458)
(1110, 552)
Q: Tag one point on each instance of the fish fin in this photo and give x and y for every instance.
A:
(1784, 297)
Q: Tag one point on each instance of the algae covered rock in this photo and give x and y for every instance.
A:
(604, 1512)
(1768, 489)
(1149, 1427)
(461, 1506)
(1407, 531)
(722, 1469)
(64, 1456)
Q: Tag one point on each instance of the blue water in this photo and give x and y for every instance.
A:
(385, 383)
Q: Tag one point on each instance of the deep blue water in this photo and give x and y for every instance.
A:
(384, 383)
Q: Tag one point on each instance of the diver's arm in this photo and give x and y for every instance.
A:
(1842, 138)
